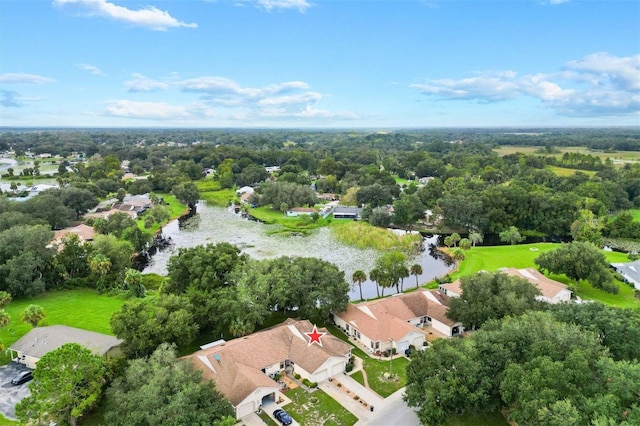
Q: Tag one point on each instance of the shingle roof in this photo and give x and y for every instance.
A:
(236, 366)
(42, 340)
(387, 318)
(85, 232)
(630, 270)
(548, 287)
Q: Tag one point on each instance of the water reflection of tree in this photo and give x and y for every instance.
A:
(440, 255)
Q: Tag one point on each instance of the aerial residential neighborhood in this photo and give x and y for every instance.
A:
(329, 213)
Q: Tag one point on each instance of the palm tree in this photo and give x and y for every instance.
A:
(4, 318)
(33, 314)
(416, 270)
(5, 298)
(475, 238)
(403, 272)
(359, 277)
(375, 276)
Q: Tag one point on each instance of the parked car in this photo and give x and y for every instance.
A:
(283, 417)
(22, 377)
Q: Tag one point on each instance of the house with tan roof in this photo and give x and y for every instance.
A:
(397, 321)
(550, 291)
(243, 368)
(84, 232)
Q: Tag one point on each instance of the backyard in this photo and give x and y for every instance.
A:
(81, 308)
(523, 255)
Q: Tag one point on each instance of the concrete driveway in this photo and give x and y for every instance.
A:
(11, 394)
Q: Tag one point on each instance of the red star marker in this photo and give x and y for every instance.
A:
(315, 336)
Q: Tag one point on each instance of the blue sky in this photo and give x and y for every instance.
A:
(319, 64)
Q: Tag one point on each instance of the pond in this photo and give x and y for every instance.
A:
(213, 225)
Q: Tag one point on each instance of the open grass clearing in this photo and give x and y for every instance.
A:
(522, 256)
(619, 158)
(317, 409)
(212, 193)
(6, 422)
(563, 171)
(81, 308)
(176, 210)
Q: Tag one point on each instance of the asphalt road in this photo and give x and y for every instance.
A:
(11, 394)
(397, 413)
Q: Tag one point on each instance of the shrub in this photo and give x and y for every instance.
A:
(297, 376)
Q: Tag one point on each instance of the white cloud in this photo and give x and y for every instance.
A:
(141, 83)
(92, 69)
(222, 90)
(598, 84)
(23, 78)
(147, 110)
(301, 5)
(602, 67)
(149, 17)
(224, 100)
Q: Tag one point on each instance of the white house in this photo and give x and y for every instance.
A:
(243, 368)
(630, 271)
(397, 321)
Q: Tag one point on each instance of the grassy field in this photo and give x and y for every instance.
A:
(317, 409)
(636, 215)
(6, 422)
(212, 193)
(81, 308)
(522, 256)
(618, 157)
(176, 209)
(363, 235)
(562, 171)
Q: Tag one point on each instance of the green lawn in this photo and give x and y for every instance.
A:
(522, 256)
(358, 377)
(6, 422)
(495, 257)
(376, 369)
(267, 420)
(317, 409)
(563, 171)
(81, 308)
(636, 214)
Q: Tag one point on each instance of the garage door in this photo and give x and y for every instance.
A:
(403, 346)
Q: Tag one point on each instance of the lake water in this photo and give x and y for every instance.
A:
(215, 224)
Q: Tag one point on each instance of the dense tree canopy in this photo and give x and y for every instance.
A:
(144, 324)
(67, 383)
(516, 363)
(579, 261)
(487, 295)
(162, 390)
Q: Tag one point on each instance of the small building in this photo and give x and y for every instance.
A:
(299, 211)
(341, 212)
(272, 169)
(630, 271)
(42, 340)
(245, 190)
(243, 368)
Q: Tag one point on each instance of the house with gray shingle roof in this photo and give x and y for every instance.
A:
(243, 368)
(41, 340)
(630, 271)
